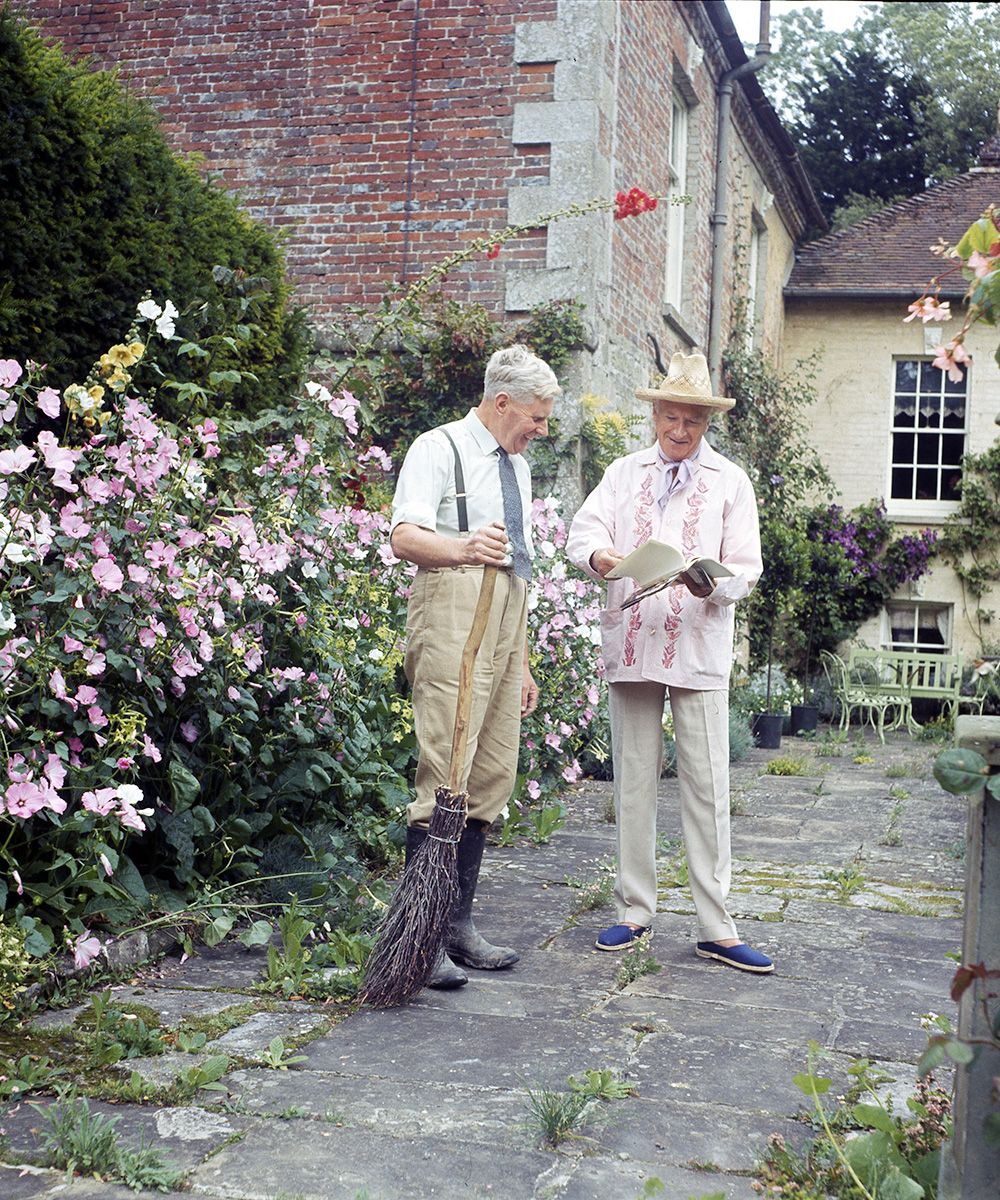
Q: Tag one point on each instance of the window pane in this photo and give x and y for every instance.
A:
(902, 483)
(952, 448)
(930, 379)
(927, 448)
(951, 484)
(954, 412)
(906, 410)
(902, 448)
(919, 627)
(927, 485)
(906, 376)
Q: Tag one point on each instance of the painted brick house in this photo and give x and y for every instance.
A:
(381, 135)
(887, 422)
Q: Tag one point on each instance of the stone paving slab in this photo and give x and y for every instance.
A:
(340, 1163)
(430, 1100)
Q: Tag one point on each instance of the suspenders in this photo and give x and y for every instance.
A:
(460, 492)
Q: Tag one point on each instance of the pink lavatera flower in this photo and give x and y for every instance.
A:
(13, 462)
(950, 358)
(48, 401)
(85, 949)
(927, 308)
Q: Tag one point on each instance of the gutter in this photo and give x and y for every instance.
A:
(720, 217)
(810, 213)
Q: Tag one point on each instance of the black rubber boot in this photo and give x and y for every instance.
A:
(465, 943)
(444, 974)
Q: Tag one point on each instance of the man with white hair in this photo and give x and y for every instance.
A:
(463, 501)
(675, 643)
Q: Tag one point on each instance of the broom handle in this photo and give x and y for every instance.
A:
(463, 708)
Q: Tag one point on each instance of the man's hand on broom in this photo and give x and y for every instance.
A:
(487, 546)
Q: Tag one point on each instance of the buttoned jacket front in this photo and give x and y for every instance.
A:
(671, 637)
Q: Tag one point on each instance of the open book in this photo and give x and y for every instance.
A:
(655, 565)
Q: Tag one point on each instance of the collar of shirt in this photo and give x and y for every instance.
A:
(674, 481)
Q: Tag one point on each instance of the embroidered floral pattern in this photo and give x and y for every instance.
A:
(676, 596)
(642, 529)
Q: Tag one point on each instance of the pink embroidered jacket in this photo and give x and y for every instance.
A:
(671, 637)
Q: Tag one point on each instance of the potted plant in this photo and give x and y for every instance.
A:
(785, 554)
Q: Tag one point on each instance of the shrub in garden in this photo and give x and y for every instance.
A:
(96, 208)
(200, 648)
(431, 371)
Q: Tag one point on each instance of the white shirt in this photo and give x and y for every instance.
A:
(425, 487)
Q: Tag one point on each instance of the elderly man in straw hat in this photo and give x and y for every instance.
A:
(676, 643)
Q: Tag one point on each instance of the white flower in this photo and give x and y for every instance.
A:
(548, 549)
(149, 309)
(165, 324)
(129, 793)
(375, 654)
(310, 569)
(7, 621)
(14, 552)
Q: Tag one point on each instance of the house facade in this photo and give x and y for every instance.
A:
(887, 422)
(380, 136)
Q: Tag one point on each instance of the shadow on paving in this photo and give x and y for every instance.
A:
(851, 886)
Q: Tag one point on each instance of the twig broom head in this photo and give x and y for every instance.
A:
(414, 928)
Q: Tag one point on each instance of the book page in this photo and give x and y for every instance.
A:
(652, 560)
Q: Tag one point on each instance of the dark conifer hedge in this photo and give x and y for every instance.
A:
(96, 210)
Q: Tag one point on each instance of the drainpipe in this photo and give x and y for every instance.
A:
(720, 217)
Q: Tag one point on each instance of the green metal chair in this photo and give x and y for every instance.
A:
(861, 689)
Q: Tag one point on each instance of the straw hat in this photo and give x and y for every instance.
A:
(687, 382)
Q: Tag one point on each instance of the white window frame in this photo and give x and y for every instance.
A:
(902, 507)
(755, 257)
(916, 647)
(674, 275)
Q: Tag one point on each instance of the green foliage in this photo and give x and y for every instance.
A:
(963, 771)
(886, 1156)
(432, 371)
(554, 1117)
(601, 1085)
(767, 434)
(96, 210)
(845, 882)
(950, 49)
(788, 764)
(29, 1073)
(607, 433)
(859, 130)
(279, 1057)
(86, 1143)
(15, 962)
(970, 540)
(636, 961)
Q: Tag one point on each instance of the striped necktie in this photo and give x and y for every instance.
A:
(513, 515)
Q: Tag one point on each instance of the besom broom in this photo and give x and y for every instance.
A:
(414, 928)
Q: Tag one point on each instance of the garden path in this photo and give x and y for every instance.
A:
(849, 876)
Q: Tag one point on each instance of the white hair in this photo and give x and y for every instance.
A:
(522, 375)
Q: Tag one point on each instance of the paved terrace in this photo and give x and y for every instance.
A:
(430, 1100)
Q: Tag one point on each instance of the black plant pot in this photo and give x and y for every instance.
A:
(804, 718)
(767, 730)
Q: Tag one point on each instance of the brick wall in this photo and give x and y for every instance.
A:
(375, 133)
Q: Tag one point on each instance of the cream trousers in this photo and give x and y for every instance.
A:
(701, 729)
(438, 620)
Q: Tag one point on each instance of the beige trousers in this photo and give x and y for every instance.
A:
(438, 620)
(701, 728)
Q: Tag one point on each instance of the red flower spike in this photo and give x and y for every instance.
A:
(493, 251)
(632, 203)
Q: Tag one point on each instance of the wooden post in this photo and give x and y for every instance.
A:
(970, 1166)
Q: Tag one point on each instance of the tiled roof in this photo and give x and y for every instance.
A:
(888, 254)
